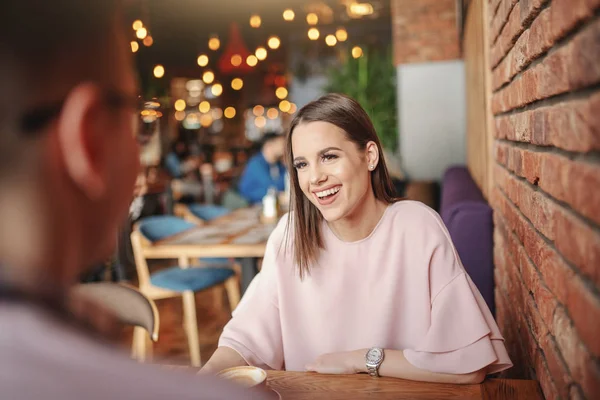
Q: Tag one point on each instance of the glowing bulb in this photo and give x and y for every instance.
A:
(214, 43)
(357, 52)
(206, 120)
(255, 21)
(159, 71)
(137, 24)
(237, 83)
(236, 60)
(208, 77)
(284, 106)
(330, 40)
(229, 112)
(312, 18)
(180, 105)
(179, 115)
(274, 42)
(141, 33)
(289, 15)
(281, 93)
(217, 113)
(202, 60)
(216, 89)
(204, 107)
(341, 35)
(272, 113)
(258, 110)
(148, 41)
(313, 33)
(261, 53)
(293, 108)
(134, 46)
(252, 60)
(260, 122)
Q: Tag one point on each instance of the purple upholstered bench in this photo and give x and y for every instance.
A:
(469, 220)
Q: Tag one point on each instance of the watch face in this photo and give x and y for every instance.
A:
(374, 356)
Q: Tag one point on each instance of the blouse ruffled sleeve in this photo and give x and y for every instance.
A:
(462, 336)
(255, 329)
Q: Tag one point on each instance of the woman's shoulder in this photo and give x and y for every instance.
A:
(414, 216)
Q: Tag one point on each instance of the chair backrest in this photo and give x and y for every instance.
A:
(208, 212)
(127, 303)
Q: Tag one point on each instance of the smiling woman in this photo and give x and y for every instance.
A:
(355, 280)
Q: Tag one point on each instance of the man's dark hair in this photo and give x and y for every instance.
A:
(270, 136)
(46, 48)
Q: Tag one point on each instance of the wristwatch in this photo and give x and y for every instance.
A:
(374, 358)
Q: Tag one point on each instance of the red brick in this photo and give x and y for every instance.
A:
(582, 366)
(545, 378)
(584, 308)
(544, 299)
(570, 67)
(501, 18)
(556, 365)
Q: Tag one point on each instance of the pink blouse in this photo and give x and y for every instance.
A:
(403, 287)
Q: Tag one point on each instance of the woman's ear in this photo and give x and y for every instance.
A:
(372, 155)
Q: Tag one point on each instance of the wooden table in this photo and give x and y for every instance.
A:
(241, 234)
(313, 386)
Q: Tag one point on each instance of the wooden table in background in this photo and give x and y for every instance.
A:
(240, 234)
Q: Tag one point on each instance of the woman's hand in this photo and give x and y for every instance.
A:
(347, 362)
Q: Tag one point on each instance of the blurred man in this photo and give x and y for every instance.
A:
(68, 161)
(264, 170)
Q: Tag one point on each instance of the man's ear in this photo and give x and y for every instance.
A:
(81, 141)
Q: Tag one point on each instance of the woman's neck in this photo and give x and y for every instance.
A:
(361, 221)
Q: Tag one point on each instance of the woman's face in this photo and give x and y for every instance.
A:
(332, 171)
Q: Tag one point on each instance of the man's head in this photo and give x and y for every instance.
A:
(273, 147)
(68, 155)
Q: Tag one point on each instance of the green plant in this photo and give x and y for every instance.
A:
(371, 80)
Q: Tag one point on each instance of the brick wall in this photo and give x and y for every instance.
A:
(424, 30)
(545, 82)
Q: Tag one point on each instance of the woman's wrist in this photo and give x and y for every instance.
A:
(358, 361)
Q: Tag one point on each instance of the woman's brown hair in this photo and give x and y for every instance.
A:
(345, 113)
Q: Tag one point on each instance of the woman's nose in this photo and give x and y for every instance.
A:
(317, 176)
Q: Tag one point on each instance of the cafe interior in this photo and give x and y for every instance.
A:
(487, 111)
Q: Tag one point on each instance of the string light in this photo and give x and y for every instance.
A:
(208, 77)
(341, 34)
(281, 93)
(357, 52)
(179, 115)
(216, 89)
(206, 120)
(260, 122)
(313, 33)
(141, 33)
(137, 24)
(285, 106)
(204, 107)
(289, 15)
(148, 41)
(229, 112)
(293, 108)
(274, 42)
(261, 53)
(237, 83)
(330, 40)
(258, 110)
(202, 60)
(252, 60)
(255, 21)
(159, 71)
(134, 46)
(312, 18)
(236, 60)
(214, 43)
(180, 105)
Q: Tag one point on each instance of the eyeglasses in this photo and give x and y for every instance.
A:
(37, 118)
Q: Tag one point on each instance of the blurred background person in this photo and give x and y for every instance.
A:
(264, 170)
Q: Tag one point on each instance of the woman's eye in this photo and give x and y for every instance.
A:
(300, 165)
(329, 157)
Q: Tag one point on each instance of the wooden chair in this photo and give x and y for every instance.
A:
(129, 306)
(180, 280)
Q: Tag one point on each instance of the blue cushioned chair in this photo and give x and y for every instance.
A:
(180, 280)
